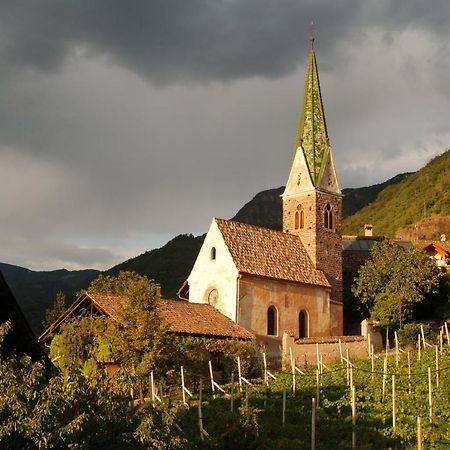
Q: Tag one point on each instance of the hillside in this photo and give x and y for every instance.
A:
(356, 198)
(417, 207)
(36, 291)
(169, 265)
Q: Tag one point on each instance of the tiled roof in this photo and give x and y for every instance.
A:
(269, 253)
(199, 319)
(445, 245)
(109, 303)
(179, 316)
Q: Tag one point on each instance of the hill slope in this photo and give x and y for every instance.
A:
(415, 207)
(169, 265)
(36, 291)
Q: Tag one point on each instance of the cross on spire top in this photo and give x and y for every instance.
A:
(311, 35)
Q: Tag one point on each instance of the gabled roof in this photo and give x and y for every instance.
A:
(441, 247)
(269, 253)
(179, 316)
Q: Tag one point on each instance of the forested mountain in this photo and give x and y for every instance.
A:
(417, 207)
(36, 291)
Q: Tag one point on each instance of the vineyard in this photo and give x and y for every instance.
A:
(391, 391)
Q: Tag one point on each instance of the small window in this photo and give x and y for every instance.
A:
(299, 220)
(213, 252)
(303, 324)
(328, 217)
(272, 321)
(213, 297)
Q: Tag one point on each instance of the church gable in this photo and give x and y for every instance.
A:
(329, 181)
(213, 277)
(299, 178)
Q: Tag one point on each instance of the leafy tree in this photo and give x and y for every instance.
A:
(79, 341)
(393, 280)
(55, 311)
(136, 334)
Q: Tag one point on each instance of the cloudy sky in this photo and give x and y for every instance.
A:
(123, 124)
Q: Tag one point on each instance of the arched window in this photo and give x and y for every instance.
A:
(299, 221)
(328, 217)
(213, 297)
(213, 252)
(303, 324)
(272, 321)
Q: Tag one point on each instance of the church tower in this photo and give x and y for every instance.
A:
(312, 200)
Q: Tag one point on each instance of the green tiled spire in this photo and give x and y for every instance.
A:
(312, 133)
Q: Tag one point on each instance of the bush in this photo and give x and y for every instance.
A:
(408, 334)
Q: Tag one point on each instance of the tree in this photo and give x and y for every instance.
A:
(393, 280)
(53, 313)
(136, 334)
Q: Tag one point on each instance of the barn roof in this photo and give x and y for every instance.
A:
(269, 253)
(179, 316)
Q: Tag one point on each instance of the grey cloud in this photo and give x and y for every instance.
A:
(166, 41)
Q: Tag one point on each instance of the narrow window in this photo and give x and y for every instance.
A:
(299, 221)
(213, 252)
(303, 324)
(328, 217)
(272, 321)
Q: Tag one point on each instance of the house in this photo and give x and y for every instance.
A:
(290, 281)
(179, 317)
(439, 251)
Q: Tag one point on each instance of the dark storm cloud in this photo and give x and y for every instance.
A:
(168, 41)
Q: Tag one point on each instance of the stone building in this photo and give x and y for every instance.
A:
(289, 281)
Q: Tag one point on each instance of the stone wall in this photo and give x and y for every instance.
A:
(257, 294)
(305, 350)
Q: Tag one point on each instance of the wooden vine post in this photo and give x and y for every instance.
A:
(393, 403)
(430, 395)
(353, 402)
(313, 424)
(419, 434)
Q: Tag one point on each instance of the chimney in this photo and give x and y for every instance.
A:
(443, 237)
(368, 229)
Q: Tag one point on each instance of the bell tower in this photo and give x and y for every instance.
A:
(312, 199)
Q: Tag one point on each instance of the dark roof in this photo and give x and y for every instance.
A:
(365, 243)
(180, 317)
(269, 253)
(20, 339)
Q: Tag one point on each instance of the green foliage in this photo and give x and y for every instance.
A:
(409, 333)
(393, 280)
(78, 341)
(136, 335)
(55, 311)
(419, 196)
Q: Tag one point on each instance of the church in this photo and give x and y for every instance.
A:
(283, 282)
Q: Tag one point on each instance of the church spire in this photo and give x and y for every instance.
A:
(312, 135)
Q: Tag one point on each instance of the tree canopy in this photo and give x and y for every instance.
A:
(393, 280)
